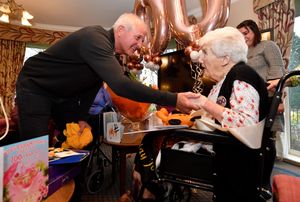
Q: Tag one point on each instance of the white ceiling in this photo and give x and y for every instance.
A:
(73, 14)
(76, 13)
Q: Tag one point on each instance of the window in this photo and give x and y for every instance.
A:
(292, 151)
(32, 50)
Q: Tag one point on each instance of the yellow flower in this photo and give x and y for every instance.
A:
(295, 80)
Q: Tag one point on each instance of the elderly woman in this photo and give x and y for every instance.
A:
(235, 99)
(238, 99)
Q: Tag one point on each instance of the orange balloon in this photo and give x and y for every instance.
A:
(132, 110)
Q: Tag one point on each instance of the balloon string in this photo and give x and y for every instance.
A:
(6, 120)
(196, 74)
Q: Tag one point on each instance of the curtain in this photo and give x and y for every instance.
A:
(11, 61)
(13, 41)
(278, 16)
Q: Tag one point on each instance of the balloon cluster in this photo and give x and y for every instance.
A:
(133, 63)
(193, 51)
(152, 62)
(166, 18)
(141, 59)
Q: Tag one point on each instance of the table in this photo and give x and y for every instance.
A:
(63, 194)
(65, 169)
(129, 144)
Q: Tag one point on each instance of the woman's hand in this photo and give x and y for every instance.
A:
(272, 84)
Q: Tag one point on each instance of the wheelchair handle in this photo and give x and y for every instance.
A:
(277, 97)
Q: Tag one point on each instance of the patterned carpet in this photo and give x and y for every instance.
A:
(110, 188)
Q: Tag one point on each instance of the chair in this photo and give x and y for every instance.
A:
(286, 188)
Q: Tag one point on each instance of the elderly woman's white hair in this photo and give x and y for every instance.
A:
(227, 41)
(128, 20)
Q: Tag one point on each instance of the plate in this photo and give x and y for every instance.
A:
(208, 125)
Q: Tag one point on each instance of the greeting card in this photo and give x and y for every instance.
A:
(24, 171)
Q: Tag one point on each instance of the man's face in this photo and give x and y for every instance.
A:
(130, 40)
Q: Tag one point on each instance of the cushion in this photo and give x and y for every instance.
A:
(286, 188)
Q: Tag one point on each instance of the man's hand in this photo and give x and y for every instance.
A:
(83, 125)
(185, 102)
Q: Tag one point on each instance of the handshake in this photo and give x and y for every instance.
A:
(188, 101)
(199, 102)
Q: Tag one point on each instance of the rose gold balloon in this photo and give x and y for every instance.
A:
(160, 38)
(134, 58)
(225, 14)
(215, 15)
(157, 60)
(188, 50)
(147, 58)
(142, 11)
(196, 45)
(138, 66)
(144, 50)
(130, 65)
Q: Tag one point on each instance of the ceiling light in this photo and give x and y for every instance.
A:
(25, 22)
(27, 15)
(11, 11)
(4, 18)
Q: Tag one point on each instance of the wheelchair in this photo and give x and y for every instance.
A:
(186, 170)
(97, 161)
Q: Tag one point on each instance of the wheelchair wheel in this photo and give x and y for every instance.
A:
(95, 181)
(180, 194)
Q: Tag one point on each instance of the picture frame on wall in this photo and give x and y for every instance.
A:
(267, 34)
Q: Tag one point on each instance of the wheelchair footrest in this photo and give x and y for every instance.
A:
(186, 167)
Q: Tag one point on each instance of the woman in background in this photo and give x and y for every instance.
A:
(266, 59)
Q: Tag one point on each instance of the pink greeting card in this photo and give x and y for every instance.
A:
(24, 170)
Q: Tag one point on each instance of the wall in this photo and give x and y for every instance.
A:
(29, 34)
(241, 10)
(297, 5)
